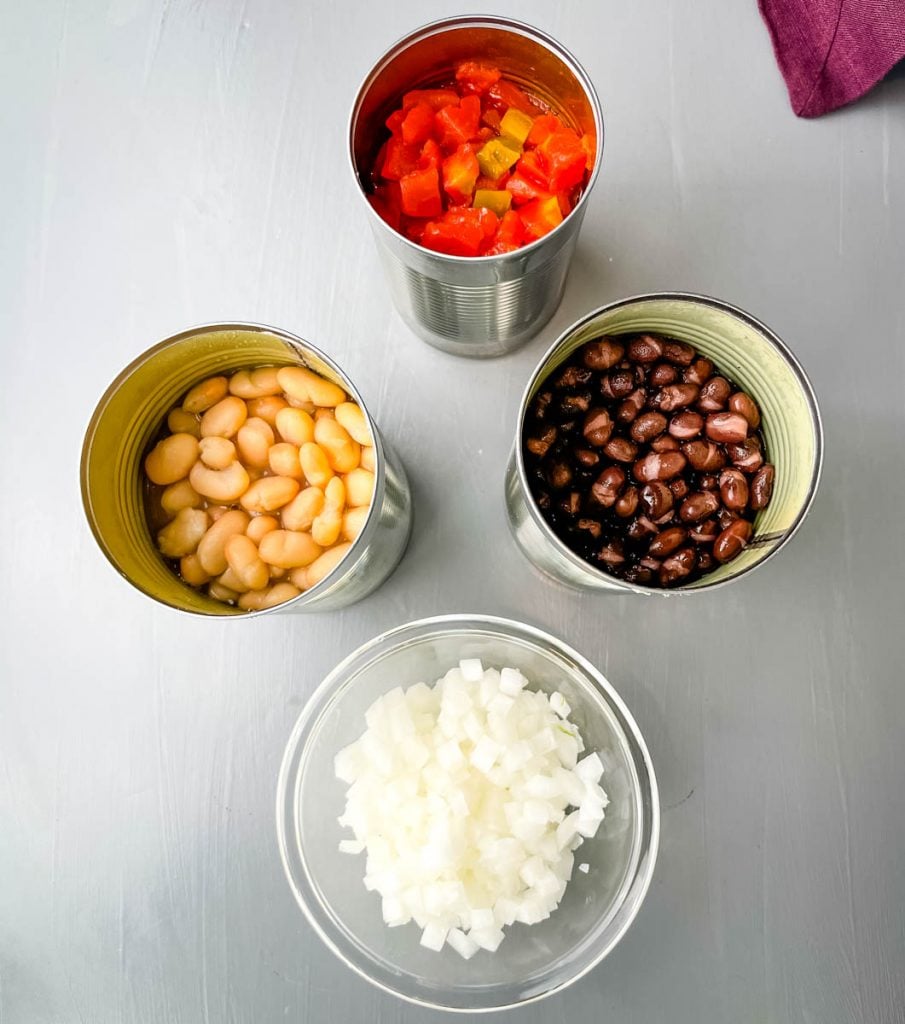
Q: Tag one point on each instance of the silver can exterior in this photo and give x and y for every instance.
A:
(474, 306)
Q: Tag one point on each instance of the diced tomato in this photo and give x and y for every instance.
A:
(479, 167)
(394, 121)
(418, 124)
(532, 166)
(453, 239)
(540, 217)
(589, 145)
(421, 193)
(491, 117)
(413, 227)
(543, 126)
(477, 78)
(509, 235)
(462, 231)
(523, 189)
(434, 98)
(399, 160)
(430, 155)
(565, 159)
(488, 220)
(510, 229)
(459, 123)
(505, 94)
(460, 172)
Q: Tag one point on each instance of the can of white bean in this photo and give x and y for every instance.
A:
(479, 306)
(132, 414)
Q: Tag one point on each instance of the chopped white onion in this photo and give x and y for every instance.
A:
(468, 797)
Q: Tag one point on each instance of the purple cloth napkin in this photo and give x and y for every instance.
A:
(831, 52)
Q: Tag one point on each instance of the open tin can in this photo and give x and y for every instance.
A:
(750, 354)
(129, 417)
(484, 305)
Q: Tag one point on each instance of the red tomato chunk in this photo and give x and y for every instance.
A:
(478, 167)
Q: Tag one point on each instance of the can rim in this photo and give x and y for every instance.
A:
(770, 336)
(206, 328)
(494, 21)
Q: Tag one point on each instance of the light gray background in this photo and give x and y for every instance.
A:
(167, 162)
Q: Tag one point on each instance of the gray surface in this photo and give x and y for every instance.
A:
(162, 165)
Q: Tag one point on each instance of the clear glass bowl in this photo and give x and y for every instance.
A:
(534, 961)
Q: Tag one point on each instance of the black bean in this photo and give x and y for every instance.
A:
(686, 425)
(699, 505)
(744, 405)
(667, 541)
(627, 503)
(664, 443)
(602, 353)
(657, 498)
(605, 489)
(678, 352)
(730, 542)
(612, 553)
(591, 526)
(704, 456)
(631, 406)
(658, 466)
(726, 427)
(679, 488)
(677, 567)
(734, 489)
(762, 486)
(574, 376)
(648, 426)
(597, 427)
(699, 371)
(675, 396)
(586, 457)
(662, 374)
(714, 394)
(620, 449)
(559, 474)
(541, 445)
(645, 349)
(746, 455)
(573, 404)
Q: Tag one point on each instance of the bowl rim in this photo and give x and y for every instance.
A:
(771, 337)
(212, 327)
(466, 622)
(497, 21)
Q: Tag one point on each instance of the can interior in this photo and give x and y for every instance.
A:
(131, 415)
(428, 58)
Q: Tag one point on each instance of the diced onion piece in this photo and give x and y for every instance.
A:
(468, 798)
(433, 936)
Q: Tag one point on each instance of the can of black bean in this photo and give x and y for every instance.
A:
(666, 443)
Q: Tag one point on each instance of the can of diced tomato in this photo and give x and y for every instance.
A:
(475, 305)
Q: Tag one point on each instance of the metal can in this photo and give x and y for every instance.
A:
(750, 354)
(487, 305)
(130, 415)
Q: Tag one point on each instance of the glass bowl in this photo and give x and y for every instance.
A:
(533, 961)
